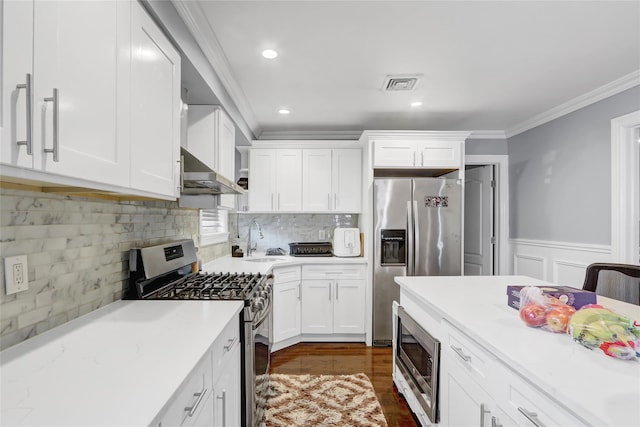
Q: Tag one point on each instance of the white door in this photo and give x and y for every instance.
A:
(288, 180)
(316, 180)
(346, 180)
(478, 221)
(17, 74)
(155, 107)
(80, 71)
(226, 390)
(286, 310)
(317, 307)
(348, 307)
(262, 179)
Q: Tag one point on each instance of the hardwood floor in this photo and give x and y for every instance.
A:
(346, 358)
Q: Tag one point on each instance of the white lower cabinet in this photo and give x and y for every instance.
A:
(226, 390)
(333, 299)
(286, 303)
(210, 396)
(192, 405)
(477, 389)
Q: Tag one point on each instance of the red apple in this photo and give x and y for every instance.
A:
(558, 319)
(533, 315)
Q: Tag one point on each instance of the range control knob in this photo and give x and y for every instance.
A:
(257, 304)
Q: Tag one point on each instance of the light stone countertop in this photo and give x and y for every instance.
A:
(598, 389)
(229, 264)
(116, 366)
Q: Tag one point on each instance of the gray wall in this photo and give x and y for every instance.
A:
(560, 174)
(486, 146)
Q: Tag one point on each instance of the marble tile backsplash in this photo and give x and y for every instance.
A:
(77, 253)
(281, 229)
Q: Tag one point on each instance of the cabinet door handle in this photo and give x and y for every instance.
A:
(200, 396)
(531, 416)
(27, 87)
(181, 161)
(483, 411)
(299, 296)
(330, 288)
(335, 201)
(414, 158)
(495, 422)
(56, 125)
(337, 288)
(223, 397)
(278, 205)
(460, 353)
(329, 201)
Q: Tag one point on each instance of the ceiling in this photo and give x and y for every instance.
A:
(484, 65)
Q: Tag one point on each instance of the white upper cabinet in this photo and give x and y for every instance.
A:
(305, 179)
(331, 180)
(211, 138)
(346, 179)
(68, 62)
(275, 180)
(91, 96)
(317, 193)
(428, 149)
(155, 107)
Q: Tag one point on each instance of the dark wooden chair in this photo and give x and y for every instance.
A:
(627, 274)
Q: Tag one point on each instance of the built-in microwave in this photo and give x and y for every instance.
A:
(418, 359)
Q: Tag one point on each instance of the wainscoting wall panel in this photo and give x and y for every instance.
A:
(557, 262)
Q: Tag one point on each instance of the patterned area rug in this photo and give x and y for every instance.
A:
(322, 400)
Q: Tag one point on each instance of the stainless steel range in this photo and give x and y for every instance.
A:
(166, 272)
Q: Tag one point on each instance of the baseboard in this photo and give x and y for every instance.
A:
(317, 338)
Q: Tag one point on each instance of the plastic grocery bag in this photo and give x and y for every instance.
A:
(544, 311)
(597, 327)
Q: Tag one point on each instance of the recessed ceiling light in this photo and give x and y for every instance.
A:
(284, 111)
(269, 53)
(416, 103)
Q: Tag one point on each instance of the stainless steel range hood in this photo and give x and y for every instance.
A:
(198, 178)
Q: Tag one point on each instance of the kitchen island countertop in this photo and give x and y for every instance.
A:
(116, 366)
(597, 388)
(229, 264)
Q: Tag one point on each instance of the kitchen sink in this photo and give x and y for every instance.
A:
(266, 259)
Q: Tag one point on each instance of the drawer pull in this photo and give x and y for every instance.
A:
(495, 422)
(483, 411)
(200, 396)
(460, 353)
(223, 397)
(531, 416)
(231, 343)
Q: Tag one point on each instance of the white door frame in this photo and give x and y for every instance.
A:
(625, 207)
(501, 163)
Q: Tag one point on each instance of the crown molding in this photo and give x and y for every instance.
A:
(318, 135)
(195, 19)
(487, 134)
(598, 94)
(306, 143)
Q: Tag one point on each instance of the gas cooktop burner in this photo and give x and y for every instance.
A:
(238, 286)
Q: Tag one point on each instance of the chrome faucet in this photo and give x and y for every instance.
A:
(251, 245)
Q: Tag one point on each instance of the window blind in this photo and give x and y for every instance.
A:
(214, 226)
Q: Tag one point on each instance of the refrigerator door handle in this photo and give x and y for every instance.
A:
(415, 248)
(410, 243)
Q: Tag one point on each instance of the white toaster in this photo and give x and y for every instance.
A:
(346, 242)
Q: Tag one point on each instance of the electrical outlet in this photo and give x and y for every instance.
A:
(321, 235)
(16, 274)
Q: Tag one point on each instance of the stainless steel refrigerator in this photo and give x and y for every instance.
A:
(417, 230)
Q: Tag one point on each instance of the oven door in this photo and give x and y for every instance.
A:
(260, 349)
(418, 358)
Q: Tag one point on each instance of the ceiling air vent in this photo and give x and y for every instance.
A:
(401, 83)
